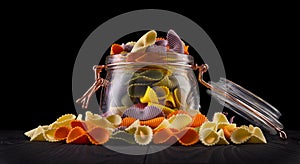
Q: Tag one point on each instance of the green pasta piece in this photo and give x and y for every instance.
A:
(168, 81)
(142, 79)
(137, 90)
(123, 136)
(180, 97)
(161, 91)
(154, 74)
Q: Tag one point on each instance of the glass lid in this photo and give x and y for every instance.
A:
(244, 103)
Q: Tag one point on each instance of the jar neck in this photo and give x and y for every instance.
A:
(151, 58)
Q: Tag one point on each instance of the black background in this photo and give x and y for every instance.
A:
(40, 43)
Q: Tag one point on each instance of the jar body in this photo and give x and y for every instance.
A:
(138, 84)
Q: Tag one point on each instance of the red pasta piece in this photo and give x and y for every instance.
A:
(116, 49)
(77, 135)
(61, 133)
(162, 136)
(98, 135)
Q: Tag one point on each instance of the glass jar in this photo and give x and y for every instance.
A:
(164, 80)
(167, 81)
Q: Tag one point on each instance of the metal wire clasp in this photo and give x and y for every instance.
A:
(99, 82)
(201, 70)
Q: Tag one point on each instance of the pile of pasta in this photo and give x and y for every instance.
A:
(185, 128)
(151, 110)
(149, 42)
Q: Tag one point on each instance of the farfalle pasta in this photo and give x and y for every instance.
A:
(186, 136)
(151, 104)
(179, 126)
(212, 133)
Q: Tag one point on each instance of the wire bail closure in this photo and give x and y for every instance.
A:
(243, 102)
(99, 82)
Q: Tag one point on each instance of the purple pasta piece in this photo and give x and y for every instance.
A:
(175, 42)
(156, 109)
(131, 111)
(161, 43)
(147, 113)
(155, 48)
(127, 47)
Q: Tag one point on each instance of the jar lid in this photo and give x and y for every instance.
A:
(245, 103)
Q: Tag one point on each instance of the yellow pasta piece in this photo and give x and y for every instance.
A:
(114, 119)
(257, 136)
(79, 117)
(132, 128)
(31, 132)
(63, 120)
(42, 133)
(180, 121)
(38, 133)
(222, 140)
(143, 135)
(98, 120)
(180, 96)
(170, 99)
(49, 135)
(220, 119)
(146, 40)
(240, 135)
(131, 43)
(208, 125)
(164, 124)
(209, 137)
(150, 96)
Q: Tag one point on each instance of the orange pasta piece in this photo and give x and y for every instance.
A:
(77, 135)
(159, 38)
(227, 131)
(116, 49)
(198, 120)
(153, 123)
(83, 124)
(127, 121)
(186, 50)
(188, 136)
